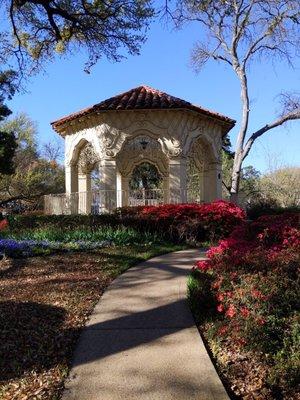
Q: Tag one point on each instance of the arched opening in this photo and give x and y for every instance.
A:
(145, 185)
(203, 172)
(87, 164)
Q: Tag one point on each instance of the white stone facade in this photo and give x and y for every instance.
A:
(116, 141)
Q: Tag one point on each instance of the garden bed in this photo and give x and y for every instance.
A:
(45, 302)
(245, 299)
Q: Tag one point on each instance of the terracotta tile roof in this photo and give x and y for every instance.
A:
(142, 98)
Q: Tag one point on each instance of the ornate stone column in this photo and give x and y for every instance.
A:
(213, 182)
(201, 186)
(166, 190)
(109, 179)
(85, 193)
(71, 182)
(71, 179)
(178, 180)
(125, 190)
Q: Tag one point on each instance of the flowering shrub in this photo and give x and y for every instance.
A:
(3, 224)
(255, 284)
(176, 222)
(185, 222)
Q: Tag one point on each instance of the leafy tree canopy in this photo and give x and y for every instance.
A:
(145, 176)
(39, 29)
(249, 183)
(35, 174)
(281, 186)
(7, 137)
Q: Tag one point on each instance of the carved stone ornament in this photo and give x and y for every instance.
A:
(111, 140)
(200, 154)
(141, 148)
(87, 158)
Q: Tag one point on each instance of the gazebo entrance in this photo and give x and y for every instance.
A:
(145, 186)
(147, 147)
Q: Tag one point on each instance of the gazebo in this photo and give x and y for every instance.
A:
(180, 140)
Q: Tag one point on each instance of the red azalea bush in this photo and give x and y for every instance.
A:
(185, 222)
(3, 224)
(254, 276)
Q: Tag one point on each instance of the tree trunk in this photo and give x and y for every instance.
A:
(238, 157)
(235, 179)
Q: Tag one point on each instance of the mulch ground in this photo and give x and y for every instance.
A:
(243, 373)
(44, 303)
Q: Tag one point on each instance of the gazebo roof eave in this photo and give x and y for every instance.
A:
(60, 125)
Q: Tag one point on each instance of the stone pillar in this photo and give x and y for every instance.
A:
(213, 182)
(166, 196)
(71, 182)
(109, 179)
(178, 180)
(200, 195)
(84, 193)
(71, 179)
(119, 195)
(125, 190)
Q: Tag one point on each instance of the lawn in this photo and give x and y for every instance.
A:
(45, 301)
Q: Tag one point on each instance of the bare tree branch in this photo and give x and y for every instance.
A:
(294, 115)
(241, 31)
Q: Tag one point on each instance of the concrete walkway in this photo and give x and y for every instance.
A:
(141, 341)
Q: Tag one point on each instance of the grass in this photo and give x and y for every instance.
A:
(45, 302)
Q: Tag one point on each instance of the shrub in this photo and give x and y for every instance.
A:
(255, 283)
(191, 223)
(3, 224)
(268, 207)
(185, 222)
(17, 222)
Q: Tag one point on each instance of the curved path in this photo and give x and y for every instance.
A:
(141, 341)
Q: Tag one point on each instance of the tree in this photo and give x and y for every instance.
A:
(239, 33)
(7, 137)
(282, 186)
(145, 176)
(249, 180)
(34, 174)
(43, 28)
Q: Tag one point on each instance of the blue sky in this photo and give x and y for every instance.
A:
(164, 64)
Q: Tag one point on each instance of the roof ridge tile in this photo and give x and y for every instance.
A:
(142, 97)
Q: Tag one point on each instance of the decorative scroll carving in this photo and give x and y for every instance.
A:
(87, 158)
(200, 155)
(111, 140)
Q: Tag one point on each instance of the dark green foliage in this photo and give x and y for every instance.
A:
(7, 87)
(62, 221)
(145, 176)
(200, 296)
(268, 207)
(8, 147)
(8, 143)
(226, 146)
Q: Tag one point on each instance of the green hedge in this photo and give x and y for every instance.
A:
(17, 222)
(181, 223)
(257, 210)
